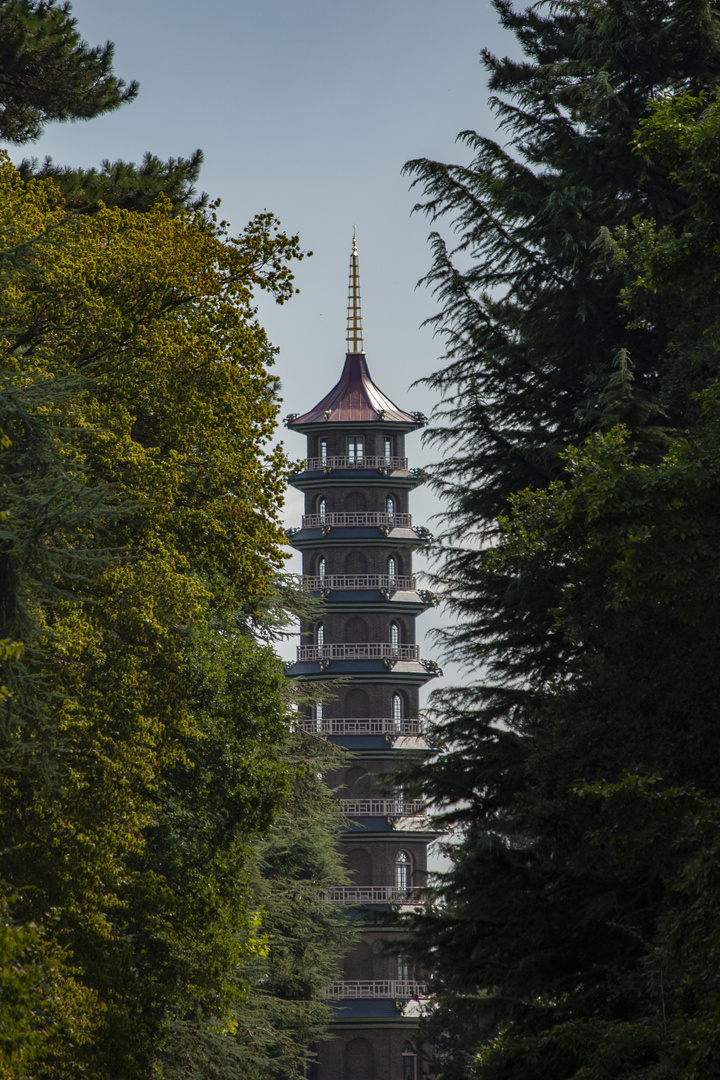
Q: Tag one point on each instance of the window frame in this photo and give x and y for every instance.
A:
(356, 448)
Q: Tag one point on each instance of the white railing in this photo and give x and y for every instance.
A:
(382, 807)
(318, 582)
(368, 461)
(373, 894)
(354, 521)
(371, 650)
(404, 989)
(368, 725)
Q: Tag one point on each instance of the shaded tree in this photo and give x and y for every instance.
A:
(141, 512)
(48, 73)
(541, 938)
(124, 184)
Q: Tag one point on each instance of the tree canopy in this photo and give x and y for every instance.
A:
(579, 435)
(144, 732)
(48, 73)
(166, 836)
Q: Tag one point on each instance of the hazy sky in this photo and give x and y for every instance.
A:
(308, 108)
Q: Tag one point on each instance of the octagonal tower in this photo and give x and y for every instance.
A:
(357, 541)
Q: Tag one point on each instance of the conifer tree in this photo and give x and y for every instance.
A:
(541, 934)
(48, 73)
(123, 183)
(531, 309)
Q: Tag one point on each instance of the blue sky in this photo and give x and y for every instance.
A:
(308, 108)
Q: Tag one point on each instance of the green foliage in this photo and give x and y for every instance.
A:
(143, 735)
(560, 948)
(47, 72)
(124, 184)
(283, 1011)
(166, 837)
(579, 298)
(540, 350)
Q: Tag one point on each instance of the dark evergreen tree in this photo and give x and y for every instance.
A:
(47, 72)
(532, 315)
(123, 183)
(540, 933)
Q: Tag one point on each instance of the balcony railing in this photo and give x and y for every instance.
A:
(367, 461)
(356, 521)
(382, 807)
(351, 582)
(368, 725)
(373, 894)
(403, 989)
(370, 650)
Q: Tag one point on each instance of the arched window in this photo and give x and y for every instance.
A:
(320, 636)
(321, 567)
(392, 569)
(394, 635)
(390, 507)
(397, 707)
(403, 868)
(409, 1060)
(322, 508)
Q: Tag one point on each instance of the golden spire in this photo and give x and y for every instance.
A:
(354, 318)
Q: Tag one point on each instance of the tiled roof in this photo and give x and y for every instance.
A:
(355, 399)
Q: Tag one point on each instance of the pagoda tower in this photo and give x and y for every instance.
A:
(357, 541)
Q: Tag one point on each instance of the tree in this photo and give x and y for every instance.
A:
(283, 1009)
(124, 184)
(589, 976)
(164, 915)
(542, 935)
(531, 305)
(141, 515)
(47, 72)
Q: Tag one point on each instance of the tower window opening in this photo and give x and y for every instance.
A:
(404, 969)
(390, 507)
(392, 569)
(323, 451)
(321, 567)
(387, 447)
(403, 867)
(320, 636)
(355, 448)
(409, 1062)
(322, 508)
(318, 716)
(394, 635)
(397, 707)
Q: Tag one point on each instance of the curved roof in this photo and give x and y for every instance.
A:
(355, 399)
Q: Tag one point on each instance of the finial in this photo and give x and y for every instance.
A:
(354, 317)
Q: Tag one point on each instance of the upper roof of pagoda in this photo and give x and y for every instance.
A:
(355, 399)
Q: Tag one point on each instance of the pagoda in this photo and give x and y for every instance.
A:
(357, 541)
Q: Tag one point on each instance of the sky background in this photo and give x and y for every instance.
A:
(308, 108)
